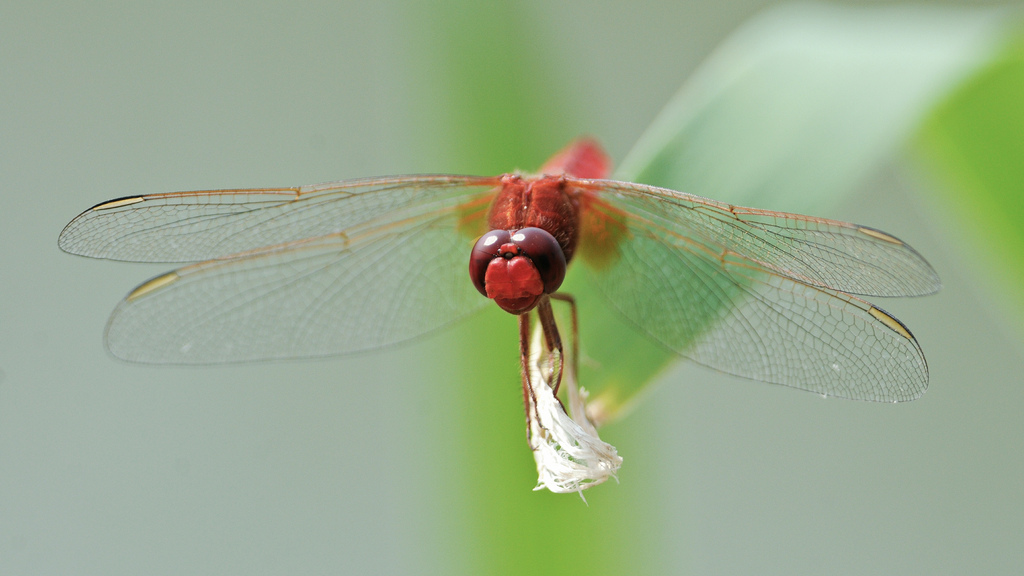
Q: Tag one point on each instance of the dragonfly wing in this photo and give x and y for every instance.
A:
(206, 224)
(825, 253)
(388, 265)
(693, 277)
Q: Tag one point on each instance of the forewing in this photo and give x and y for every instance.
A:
(825, 253)
(760, 294)
(392, 267)
(206, 224)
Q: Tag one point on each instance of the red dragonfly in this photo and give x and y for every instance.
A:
(360, 264)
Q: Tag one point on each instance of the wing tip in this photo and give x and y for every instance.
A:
(117, 203)
(891, 322)
(152, 285)
(880, 235)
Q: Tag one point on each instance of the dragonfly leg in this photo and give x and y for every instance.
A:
(553, 341)
(574, 343)
(524, 357)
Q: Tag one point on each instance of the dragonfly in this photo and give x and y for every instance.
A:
(357, 265)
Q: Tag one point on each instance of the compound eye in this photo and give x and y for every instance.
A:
(487, 248)
(545, 253)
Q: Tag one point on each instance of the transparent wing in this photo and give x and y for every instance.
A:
(207, 224)
(311, 271)
(759, 294)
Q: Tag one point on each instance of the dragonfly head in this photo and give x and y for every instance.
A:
(516, 267)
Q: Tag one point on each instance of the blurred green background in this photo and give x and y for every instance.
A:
(413, 460)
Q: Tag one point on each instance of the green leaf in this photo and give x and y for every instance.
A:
(790, 113)
(974, 143)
